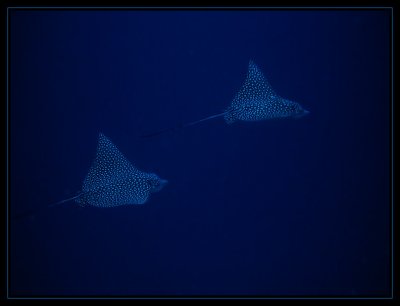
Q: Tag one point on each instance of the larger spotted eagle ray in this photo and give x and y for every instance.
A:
(255, 101)
(113, 181)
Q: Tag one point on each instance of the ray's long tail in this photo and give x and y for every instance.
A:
(181, 126)
(66, 200)
(33, 213)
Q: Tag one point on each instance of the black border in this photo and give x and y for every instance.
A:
(272, 5)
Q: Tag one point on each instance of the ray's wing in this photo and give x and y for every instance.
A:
(108, 166)
(255, 88)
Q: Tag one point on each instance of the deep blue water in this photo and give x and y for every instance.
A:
(284, 207)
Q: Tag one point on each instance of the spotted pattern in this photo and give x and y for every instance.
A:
(256, 100)
(113, 181)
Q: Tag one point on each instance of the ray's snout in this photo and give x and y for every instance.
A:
(301, 112)
(157, 184)
(163, 182)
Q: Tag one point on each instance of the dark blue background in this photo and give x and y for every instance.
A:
(290, 207)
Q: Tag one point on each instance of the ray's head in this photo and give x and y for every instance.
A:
(155, 183)
(295, 110)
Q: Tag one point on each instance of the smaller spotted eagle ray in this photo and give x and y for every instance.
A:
(255, 101)
(113, 181)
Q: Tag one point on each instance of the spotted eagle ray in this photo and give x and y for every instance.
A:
(113, 181)
(255, 101)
